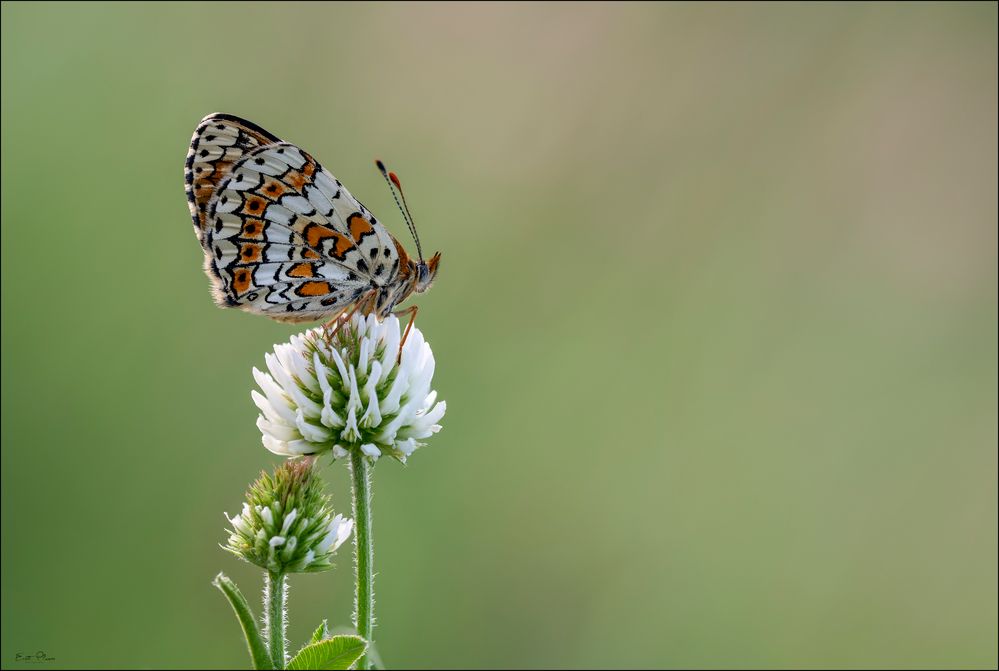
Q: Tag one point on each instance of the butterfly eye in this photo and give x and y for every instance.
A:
(422, 277)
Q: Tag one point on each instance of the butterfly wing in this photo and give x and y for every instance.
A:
(219, 141)
(284, 238)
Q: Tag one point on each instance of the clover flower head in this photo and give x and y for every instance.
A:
(287, 524)
(353, 391)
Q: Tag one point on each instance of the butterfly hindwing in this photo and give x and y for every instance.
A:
(218, 142)
(284, 238)
(299, 300)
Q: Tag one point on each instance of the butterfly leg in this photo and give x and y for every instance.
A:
(411, 310)
(342, 319)
(333, 325)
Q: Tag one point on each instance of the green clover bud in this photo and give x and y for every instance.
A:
(287, 524)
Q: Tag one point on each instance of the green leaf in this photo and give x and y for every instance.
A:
(321, 632)
(374, 659)
(338, 652)
(254, 641)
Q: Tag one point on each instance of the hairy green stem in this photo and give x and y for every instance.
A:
(275, 594)
(364, 595)
(254, 641)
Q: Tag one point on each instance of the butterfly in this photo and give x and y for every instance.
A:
(281, 235)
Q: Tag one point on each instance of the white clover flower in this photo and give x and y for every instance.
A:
(287, 524)
(351, 393)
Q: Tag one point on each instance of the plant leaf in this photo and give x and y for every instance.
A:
(321, 632)
(339, 652)
(254, 641)
(374, 659)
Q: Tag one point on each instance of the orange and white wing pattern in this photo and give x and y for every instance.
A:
(284, 238)
(219, 141)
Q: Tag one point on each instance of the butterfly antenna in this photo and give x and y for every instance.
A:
(393, 181)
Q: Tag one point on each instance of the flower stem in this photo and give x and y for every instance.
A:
(364, 595)
(275, 594)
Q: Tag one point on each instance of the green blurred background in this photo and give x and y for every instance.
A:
(716, 325)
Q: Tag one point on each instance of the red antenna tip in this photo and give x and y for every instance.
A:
(395, 180)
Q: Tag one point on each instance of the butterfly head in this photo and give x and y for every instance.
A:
(426, 271)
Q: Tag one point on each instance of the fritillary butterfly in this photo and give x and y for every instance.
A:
(282, 237)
